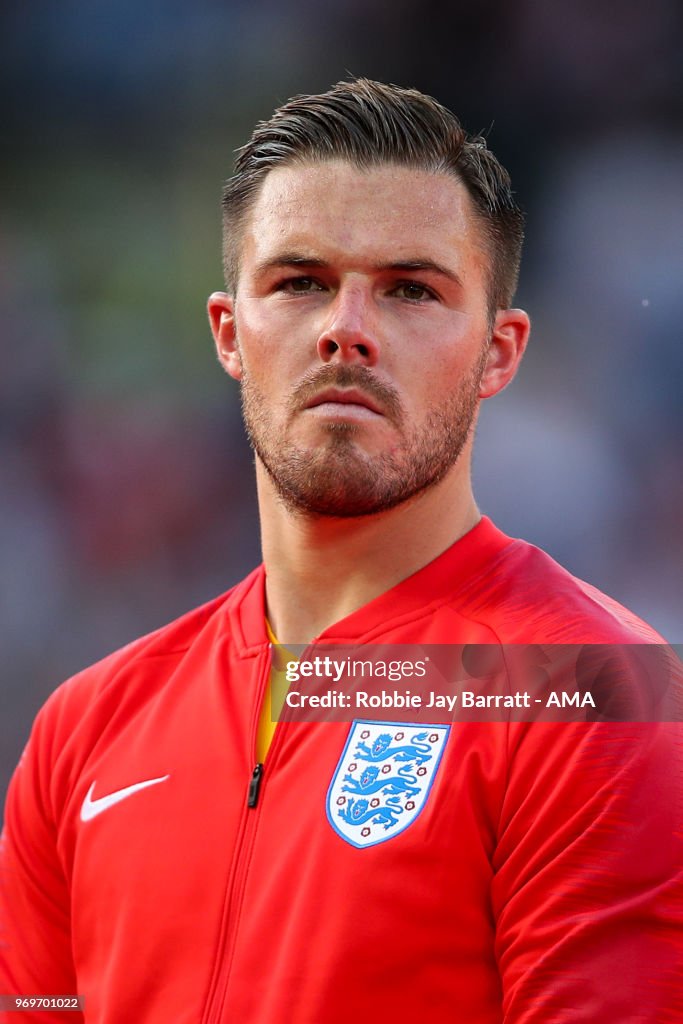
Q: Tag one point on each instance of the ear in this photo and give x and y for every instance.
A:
(508, 342)
(221, 309)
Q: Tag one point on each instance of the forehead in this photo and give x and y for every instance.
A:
(386, 212)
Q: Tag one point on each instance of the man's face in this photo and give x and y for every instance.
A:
(359, 333)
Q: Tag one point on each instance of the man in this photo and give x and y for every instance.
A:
(170, 854)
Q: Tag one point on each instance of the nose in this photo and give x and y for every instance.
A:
(350, 333)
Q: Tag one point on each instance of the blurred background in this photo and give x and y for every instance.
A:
(126, 491)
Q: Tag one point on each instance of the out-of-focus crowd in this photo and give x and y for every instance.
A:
(126, 491)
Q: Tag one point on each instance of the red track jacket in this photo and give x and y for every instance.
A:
(540, 882)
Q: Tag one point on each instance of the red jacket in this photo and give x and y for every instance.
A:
(540, 882)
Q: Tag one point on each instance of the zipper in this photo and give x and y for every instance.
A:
(228, 939)
(234, 894)
(255, 785)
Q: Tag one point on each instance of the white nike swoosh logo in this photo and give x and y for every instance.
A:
(91, 808)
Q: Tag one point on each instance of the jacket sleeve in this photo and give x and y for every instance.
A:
(588, 886)
(35, 934)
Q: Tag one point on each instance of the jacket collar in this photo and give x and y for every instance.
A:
(434, 584)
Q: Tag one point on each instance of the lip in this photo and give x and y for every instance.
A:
(344, 396)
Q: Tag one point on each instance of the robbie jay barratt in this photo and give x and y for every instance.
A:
(406, 699)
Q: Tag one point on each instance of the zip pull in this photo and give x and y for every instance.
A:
(255, 785)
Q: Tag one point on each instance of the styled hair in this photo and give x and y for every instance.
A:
(370, 124)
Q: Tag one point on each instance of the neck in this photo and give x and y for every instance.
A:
(320, 569)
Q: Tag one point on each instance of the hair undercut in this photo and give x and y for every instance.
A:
(370, 124)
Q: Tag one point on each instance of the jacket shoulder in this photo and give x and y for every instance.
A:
(528, 597)
(137, 670)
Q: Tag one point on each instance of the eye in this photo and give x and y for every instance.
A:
(299, 285)
(413, 291)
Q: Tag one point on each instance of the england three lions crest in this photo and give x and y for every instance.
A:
(383, 779)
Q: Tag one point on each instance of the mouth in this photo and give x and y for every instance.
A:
(344, 401)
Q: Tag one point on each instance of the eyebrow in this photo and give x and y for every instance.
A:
(431, 266)
(298, 259)
(288, 259)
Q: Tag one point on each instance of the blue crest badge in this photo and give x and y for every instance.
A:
(383, 779)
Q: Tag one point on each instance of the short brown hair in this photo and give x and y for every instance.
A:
(368, 124)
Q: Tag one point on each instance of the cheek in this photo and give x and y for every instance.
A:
(269, 341)
(430, 379)
(438, 384)
(257, 351)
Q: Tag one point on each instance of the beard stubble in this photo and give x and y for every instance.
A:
(338, 478)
